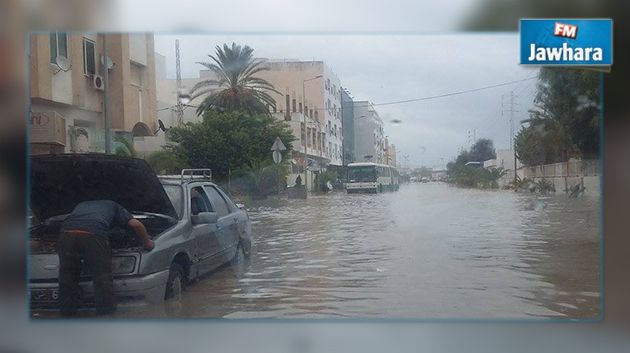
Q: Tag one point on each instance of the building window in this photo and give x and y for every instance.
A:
(308, 136)
(294, 105)
(300, 107)
(89, 57)
(58, 46)
(311, 114)
(302, 135)
(274, 108)
(316, 117)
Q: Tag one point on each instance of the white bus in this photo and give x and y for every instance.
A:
(372, 177)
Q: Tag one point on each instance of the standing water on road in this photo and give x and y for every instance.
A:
(428, 251)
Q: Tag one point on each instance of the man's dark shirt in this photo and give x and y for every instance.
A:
(97, 217)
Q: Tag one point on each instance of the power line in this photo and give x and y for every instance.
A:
(433, 97)
(456, 93)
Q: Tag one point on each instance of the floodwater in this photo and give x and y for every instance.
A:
(428, 251)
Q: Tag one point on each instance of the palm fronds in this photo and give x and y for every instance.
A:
(235, 87)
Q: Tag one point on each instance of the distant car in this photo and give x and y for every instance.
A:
(196, 227)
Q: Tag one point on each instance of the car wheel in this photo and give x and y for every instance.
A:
(238, 255)
(246, 246)
(175, 283)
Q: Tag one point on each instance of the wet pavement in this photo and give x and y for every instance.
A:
(427, 251)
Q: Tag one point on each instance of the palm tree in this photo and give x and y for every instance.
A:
(127, 149)
(236, 87)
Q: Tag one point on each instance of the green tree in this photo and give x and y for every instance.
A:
(228, 141)
(126, 149)
(571, 97)
(565, 120)
(482, 150)
(261, 179)
(236, 88)
(166, 162)
(543, 141)
(323, 178)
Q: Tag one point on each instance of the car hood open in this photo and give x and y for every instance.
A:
(59, 182)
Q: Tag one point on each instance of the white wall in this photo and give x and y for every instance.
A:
(138, 48)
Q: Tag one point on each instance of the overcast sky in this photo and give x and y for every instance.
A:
(385, 68)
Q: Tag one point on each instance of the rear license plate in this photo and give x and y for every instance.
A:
(45, 295)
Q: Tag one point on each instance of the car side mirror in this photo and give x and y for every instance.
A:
(205, 218)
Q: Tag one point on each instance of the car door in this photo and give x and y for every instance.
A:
(206, 235)
(228, 221)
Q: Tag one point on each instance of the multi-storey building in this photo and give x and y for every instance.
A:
(67, 89)
(368, 133)
(310, 96)
(347, 117)
(167, 95)
(389, 153)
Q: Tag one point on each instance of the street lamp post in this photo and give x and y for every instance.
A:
(305, 130)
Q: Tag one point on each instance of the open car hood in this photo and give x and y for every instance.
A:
(59, 182)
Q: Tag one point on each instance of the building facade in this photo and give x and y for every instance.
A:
(67, 89)
(310, 101)
(167, 94)
(389, 153)
(347, 118)
(368, 133)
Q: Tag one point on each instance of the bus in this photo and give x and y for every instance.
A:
(372, 178)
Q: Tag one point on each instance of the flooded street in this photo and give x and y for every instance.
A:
(427, 251)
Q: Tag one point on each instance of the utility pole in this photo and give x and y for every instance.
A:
(511, 109)
(106, 121)
(178, 73)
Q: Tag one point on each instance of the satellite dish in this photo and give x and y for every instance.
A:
(63, 63)
(107, 61)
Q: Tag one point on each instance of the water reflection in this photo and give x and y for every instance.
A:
(427, 251)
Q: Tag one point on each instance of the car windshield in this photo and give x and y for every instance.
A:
(362, 174)
(174, 193)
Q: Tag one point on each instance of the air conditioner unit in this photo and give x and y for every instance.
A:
(48, 128)
(98, 83)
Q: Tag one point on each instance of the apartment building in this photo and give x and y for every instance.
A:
(67, 89)
(310, 101)
(167, 93)
(389, 153)
(347, 117)
(369, 144)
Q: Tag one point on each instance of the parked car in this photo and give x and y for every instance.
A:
(196, 227)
